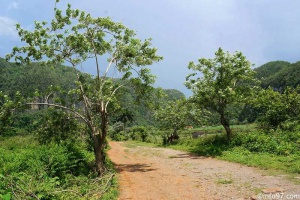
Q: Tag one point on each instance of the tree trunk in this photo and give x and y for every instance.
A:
(104, 126)
(100, 144)
(225, 124)
(99, 155)
(175, 134)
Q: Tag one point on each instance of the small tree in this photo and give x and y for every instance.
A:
(178, 114)
(221, 83)
(75, 37)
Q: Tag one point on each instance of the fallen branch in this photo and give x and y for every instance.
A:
(106, 185)
(73, 191)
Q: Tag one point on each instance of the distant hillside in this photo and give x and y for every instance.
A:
(270, 68)
(174, 94)
(29, 78)
(279, 74)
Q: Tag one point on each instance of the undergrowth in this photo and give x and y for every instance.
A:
(29, 170)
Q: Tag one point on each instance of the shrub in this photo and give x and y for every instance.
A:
(58, 126)
(116, 132)
(139, 133)
(278, 110)
(32, 171)
(279, 143)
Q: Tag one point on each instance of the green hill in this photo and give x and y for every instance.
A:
(279, 75)
(29, 78)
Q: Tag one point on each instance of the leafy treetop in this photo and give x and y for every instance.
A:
(74, 37)
(220, 82)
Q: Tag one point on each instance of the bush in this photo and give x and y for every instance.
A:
(45, 160)
(28, 120)
(32, 171)
(278, 110)
(58, 126)
(117, 132)
(139, 133)
(279, 143)
(290, 125)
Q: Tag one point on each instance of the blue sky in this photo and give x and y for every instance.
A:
(183, 31)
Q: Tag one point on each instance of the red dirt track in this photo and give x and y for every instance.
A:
(147, 173)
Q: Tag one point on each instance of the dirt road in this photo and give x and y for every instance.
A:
(160, 173)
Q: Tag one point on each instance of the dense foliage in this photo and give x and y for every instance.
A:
(220, 82)
(29, 170)
(177, 115)
(34, 77)
(74, 37)
(276, 104)
(39, 78)
(278, 110)
(279, 75)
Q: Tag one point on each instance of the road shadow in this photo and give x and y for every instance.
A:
(209, 146)
(187, 155)
(134, 167)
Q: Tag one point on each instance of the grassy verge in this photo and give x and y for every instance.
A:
(29, 170)
(133, 144)
(278, 151)
(289, 164)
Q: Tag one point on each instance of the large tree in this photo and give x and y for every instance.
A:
(220, 82)
(74, 37)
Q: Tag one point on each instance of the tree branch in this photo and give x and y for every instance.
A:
(63, 107)
(113, 92)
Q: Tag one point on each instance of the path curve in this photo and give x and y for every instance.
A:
(160, 173)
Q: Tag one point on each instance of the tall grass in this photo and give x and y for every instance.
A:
(32, 171)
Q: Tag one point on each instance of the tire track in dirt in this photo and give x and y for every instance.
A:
(160, 173)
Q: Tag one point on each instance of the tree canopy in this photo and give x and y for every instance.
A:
(177, 114)
(219, 82)
(74, 37)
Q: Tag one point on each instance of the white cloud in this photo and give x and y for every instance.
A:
(7, 27)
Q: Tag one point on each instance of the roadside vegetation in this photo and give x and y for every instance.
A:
(30, 170)
(250, 145)
(278, 150)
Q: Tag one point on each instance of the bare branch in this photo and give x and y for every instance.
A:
(47, 97)
(73, 191)
(106, 72)
(113, 92)
(107, 183)
(63, 107)
(95, 54)
(109, 66)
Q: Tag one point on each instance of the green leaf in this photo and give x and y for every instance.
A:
(7, 196)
